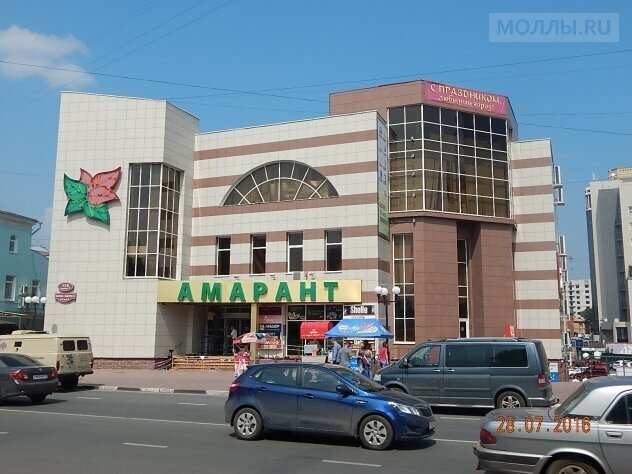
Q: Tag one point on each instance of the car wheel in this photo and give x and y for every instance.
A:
(248, 425)
(69, 383)
(37, 398)
(376, 433)
(510, 400)
(570, 466)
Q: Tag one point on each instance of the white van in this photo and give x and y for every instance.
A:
(70, 355)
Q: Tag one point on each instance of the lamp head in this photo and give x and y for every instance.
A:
(396, 290)
(35, 299)
(28, 300)
(378, 290)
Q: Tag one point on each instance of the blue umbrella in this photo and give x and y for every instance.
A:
(360, 329)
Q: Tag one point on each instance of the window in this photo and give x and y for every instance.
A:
(448, 161)
(152, 221)
(13, 244)
(621, 412)
(404, 278)
(463, 282)
(258, 261)
(285, 376)
(317, 379)
(223, 255)
(35, 288)
(68, 345)
(333, 251)
(9, 288)
(509, 355)
(629, 209)
(295, 252)
(280, 181)
(82, 345)
(426, 356)
(467, 355)
(18, 360)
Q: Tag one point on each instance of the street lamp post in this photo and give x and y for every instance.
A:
(34, 300)
(382, 297)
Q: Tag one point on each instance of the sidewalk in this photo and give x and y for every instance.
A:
(209, 382)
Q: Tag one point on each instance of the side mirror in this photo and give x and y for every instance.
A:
(344, 389)
(404, 363)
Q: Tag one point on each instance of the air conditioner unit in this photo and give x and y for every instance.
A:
(24, 290)
(21, 303)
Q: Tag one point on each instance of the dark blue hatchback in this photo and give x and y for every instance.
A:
(324, 398)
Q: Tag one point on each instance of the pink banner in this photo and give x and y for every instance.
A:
(467, 98)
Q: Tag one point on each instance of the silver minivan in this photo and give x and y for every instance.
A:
(475, 372)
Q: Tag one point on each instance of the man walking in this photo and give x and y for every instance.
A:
(345, 355)
(335, 351)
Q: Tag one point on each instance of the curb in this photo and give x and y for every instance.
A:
(111, 388)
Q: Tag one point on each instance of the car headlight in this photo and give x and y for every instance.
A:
(405, 408)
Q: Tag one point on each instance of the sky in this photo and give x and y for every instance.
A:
(237, 63)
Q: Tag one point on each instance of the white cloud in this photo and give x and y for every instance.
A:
(24, 46)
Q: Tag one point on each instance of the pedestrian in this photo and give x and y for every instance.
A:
(345, 355)
(364, 358)
(383, 356)
(335, 351)
(368, 355)
(232, 335)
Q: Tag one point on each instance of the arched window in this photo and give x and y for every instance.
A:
(13, 244)
(280, 181)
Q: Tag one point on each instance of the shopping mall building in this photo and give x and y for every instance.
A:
(166, 238)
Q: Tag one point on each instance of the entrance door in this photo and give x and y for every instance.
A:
(241, 324)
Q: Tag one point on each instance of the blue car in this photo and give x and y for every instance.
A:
(324, 398)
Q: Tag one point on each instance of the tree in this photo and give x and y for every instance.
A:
(589, 316)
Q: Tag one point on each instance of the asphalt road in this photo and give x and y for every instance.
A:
(130, 432)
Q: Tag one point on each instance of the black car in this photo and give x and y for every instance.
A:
(21, 375)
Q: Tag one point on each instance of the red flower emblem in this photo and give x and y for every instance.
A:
(100, 186)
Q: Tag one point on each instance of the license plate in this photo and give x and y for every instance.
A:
(40, 376)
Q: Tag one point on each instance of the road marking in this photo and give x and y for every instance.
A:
(4, 432)
(145, 445)
(195, 404)
(89, 398)
(459, 418)
(330, 461)
(202, 423)
(455, 440)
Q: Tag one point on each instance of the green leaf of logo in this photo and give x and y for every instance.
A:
(74, 206)
(99, 212)
(74, 189)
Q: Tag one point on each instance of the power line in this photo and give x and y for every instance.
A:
(576, 129)
(159, 81)
(17, 102)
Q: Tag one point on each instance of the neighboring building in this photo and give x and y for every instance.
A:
(283, 228)
(24, 272)
(577, 296)
(609, 221)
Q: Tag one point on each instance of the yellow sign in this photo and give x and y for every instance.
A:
(258, 291)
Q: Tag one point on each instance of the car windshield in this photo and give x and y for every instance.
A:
(572, 401)
(357, 379)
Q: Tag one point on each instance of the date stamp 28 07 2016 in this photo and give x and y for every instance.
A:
(533, 424)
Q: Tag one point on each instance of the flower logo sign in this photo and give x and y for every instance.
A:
(91, 194)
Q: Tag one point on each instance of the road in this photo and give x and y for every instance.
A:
(131, 432)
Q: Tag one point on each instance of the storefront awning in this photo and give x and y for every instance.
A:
(359, 328)
(315, 329)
